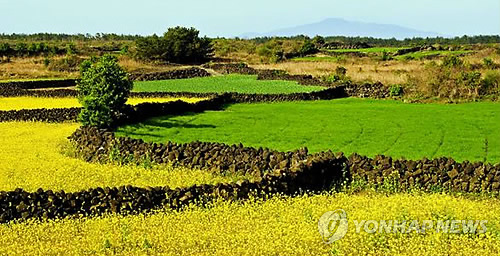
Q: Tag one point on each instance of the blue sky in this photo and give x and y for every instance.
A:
(234, 17)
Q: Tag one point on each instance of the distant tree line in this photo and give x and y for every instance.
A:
(481, 39)
(69, 37)
(21, 49)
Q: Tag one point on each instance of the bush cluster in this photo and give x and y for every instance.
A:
(340, 76)
(103, 91)
(69, 63)
(454, 79)
(396, 90)
(33, 49)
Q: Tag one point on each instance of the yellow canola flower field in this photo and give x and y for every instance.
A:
(278, 226)
(17, 103)
(31, 158)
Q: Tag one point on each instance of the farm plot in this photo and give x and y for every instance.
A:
(32, 156)
(222, 84)
(17, 103)
(278, 226)
(368, 127)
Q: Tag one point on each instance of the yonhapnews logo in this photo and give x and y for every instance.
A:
(333, 225)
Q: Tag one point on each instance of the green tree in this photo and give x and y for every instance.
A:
(179, 45)
(308, 48)
(318, 41)
(103, 91)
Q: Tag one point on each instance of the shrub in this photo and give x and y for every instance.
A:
(491, 83)
(341, 71)
(124, 50)
(66, 64)
(396, 90)
(308, 48)
(179, 45)
(470, 80)
(318, 41)
(46, 62)
(385, 56)
(408, 57)
(103, 91)
(21, 49)
(452, 61)
(339, 76)
(5, 49)
(490, 64)
(272, 51)
(70, 49)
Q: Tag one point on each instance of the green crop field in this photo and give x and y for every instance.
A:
(465, 132)
(221, 84)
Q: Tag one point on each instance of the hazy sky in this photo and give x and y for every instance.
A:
(234, 17)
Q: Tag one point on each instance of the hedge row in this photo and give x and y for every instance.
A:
(305, 172)
(172, 74)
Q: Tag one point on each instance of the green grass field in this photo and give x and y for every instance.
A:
(465, 131)
(221, 84)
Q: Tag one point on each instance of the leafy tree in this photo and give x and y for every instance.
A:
(308, 48)
(179, 45)
(318, 41)
(103, 91)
